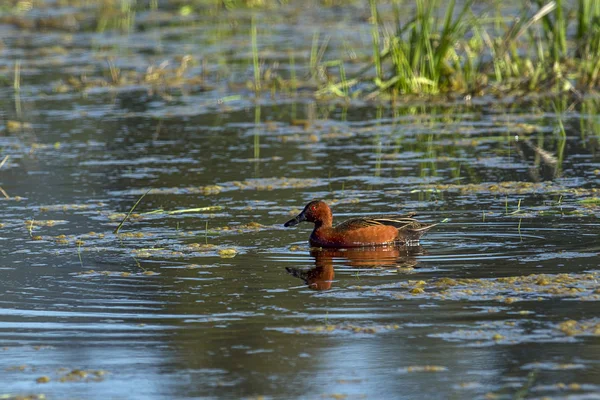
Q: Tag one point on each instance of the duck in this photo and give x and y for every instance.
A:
(361, 231)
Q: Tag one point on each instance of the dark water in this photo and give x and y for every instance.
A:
(225, 302)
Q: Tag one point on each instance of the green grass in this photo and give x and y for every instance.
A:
(17, 88)
(118, 228)
(552, 47)
(255, 63)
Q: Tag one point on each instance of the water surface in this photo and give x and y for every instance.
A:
(498, 300)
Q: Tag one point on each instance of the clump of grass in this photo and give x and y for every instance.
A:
(422, 51)
(552, 46)
(424, 60)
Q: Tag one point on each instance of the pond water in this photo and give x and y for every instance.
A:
(204, 294)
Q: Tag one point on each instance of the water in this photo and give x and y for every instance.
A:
(225, 302)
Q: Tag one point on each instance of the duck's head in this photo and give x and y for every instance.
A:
(316, 211)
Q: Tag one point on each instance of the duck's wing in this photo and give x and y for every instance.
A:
(401, 222)
(398, 221)
(357, 223)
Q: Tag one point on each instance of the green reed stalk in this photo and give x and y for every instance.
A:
(30, 228)
(376, 39)
(127, 16)
(115, 73)
(139, 265)
(525, 389)
(116, 231)
(314, 51)
(253, 33)
(588, 40)
(17, 76)
(293, 81)
(344, 82)
(4, 160)
(560, 31)
(17, 87)
(559, 121)
(560, 154)
(554, 28)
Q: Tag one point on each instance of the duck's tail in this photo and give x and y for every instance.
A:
(410, 234)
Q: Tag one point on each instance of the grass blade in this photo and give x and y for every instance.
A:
(130, 211)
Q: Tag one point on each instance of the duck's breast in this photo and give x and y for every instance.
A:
(366, 236)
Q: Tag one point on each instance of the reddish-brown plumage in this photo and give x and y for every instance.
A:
(358, 232)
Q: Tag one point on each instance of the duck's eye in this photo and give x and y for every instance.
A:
(314, 208)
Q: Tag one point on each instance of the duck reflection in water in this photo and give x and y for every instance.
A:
(321, 276)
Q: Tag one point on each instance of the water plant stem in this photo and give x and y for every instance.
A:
(293, 79)
(139, 265)
(17, 87)
(206, 232)
(4, 160)
(116, 231)
(253, 34)
(30, 228)
(376, 40)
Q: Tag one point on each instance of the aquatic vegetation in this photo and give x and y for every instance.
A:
(227, 253)
(251, 226)
(46, 223)
(17, 126)
(580, 328)
(121, 216)
(69, 207)
(201, 246)
(460, 52)
(125, 274)
(185, 211)
(75, 375)
(551, 47)
(508, 290)
(344, 328)
(276, 183)
(424, 368)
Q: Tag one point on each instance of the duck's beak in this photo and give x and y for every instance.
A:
(295, 221)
